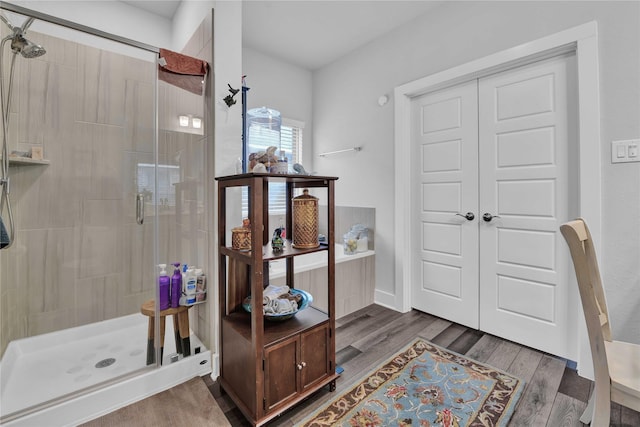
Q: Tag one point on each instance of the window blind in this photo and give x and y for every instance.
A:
(290, 146)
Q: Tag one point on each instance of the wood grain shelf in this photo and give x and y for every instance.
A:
(267, 367)
(269, 255)
(274, 332)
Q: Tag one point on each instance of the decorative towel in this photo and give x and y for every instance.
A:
(4, 237)
(280, 306)
(272, 292)
(182, 71)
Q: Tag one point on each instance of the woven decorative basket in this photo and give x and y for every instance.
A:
(305, 221)
(241, 238)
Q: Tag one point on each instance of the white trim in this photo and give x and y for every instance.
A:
(582, 39)
(385, 299)
(215, 366)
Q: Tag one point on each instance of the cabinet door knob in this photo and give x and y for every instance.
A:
(304, 364)
(299, 367)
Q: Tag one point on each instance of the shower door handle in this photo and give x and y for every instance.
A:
(140, 208)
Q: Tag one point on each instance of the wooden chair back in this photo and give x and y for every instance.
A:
(594, 304)
(616, 363)
(585, 262)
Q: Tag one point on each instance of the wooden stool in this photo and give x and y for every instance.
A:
(180, 327)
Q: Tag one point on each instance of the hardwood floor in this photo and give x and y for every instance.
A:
(554, 394)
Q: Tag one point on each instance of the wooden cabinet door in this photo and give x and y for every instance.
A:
(314, 356)
(295, 365)
(281, 372)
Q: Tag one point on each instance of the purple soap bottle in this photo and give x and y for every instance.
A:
(164, 282)
(176, 285)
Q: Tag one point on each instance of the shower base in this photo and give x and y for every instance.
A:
(50, 370)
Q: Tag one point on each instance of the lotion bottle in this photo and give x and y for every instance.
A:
(189, 294)
(164, 282)
(176, 285)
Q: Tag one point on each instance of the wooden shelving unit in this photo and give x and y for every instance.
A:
(267, 367)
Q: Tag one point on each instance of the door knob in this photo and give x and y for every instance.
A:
(469, 216)
(488, 217)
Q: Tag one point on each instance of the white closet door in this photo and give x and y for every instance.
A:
(445, 182)
(523, 159)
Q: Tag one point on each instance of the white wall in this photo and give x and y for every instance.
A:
(346, 113)
(283, 87)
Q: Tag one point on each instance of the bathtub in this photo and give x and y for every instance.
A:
(51, 367)
(354, 275)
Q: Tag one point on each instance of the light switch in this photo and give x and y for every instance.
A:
(625, 151)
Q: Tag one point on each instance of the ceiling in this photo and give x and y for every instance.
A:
(164, 8)
(311, 33)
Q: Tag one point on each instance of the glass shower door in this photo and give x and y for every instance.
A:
(84, 259)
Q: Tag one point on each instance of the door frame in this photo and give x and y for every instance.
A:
(581, 40)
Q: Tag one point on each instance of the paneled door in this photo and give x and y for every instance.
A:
(445, 163)
(491, 180)
(524, 176)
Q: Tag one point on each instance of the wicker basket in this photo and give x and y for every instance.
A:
(305, 221)
(241, 238)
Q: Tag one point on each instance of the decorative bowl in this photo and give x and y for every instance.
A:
(307, 299)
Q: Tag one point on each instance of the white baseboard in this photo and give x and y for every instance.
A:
(385, 299)
(215, 365)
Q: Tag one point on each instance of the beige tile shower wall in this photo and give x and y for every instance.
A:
(188, 235)
(79, 256)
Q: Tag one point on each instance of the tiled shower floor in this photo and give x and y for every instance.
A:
(39, 369)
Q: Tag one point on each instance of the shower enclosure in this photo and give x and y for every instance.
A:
(104, 186)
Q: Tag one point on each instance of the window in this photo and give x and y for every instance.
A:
(168, 176)
(290, 144)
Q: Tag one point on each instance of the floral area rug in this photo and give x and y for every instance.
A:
(425, 385)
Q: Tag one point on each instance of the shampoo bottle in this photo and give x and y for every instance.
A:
(164, 282)
(176, 285)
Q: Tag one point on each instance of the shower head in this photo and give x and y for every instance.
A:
(27, 48)
(19, 43)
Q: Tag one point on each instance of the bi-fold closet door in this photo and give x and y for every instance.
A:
(491, 185)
